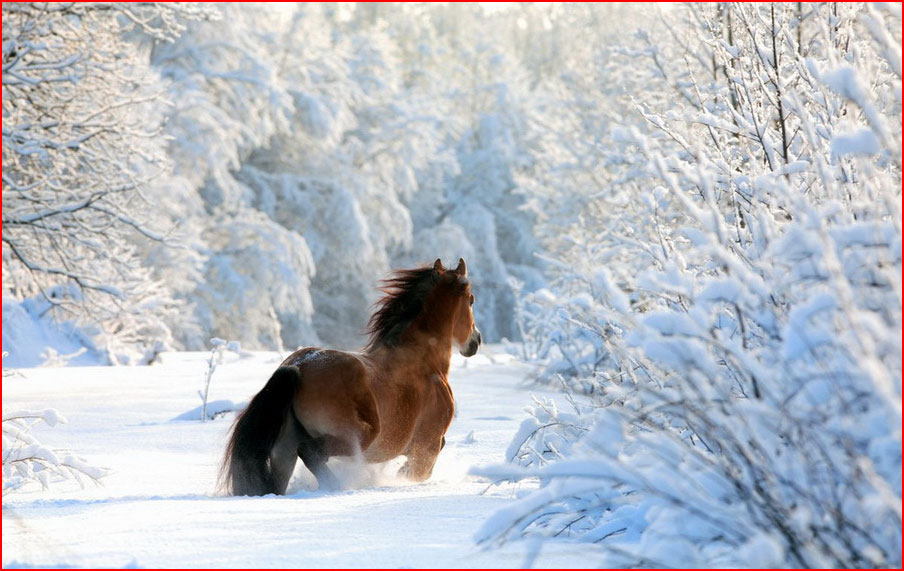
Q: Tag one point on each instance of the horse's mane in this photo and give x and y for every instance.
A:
(405, 293)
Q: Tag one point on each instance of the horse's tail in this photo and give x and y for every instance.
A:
(246, 469)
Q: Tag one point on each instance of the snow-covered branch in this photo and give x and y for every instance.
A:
(26, 460)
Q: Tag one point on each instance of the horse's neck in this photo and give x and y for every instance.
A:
(425, 348)
(431, 336)
(435, 349)
(418, 357)
(437, 361)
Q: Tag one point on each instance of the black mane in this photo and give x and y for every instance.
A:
(405, 292)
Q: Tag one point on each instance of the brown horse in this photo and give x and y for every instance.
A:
(392, 398)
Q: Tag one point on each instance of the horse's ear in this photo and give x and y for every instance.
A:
(462, 269)
(438, 265)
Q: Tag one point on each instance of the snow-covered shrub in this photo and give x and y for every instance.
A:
(748, 409)
(26, 460)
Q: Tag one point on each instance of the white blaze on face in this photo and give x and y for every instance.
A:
(469, 347)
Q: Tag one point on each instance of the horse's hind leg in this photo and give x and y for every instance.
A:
(313, 452)
(282, 455)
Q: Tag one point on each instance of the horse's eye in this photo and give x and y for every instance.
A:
(472, 299)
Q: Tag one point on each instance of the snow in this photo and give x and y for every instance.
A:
(214, 408)
(842, 81)
(50, 416)
(860, 142)
(31, 338)
(158, 506)
(798, 337)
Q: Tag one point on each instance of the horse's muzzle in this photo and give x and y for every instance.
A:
(473, 343)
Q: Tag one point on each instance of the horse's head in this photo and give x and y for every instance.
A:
(465, 335)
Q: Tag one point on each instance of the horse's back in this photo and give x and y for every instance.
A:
(318, 357)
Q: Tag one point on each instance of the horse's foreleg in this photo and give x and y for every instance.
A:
(421, 459)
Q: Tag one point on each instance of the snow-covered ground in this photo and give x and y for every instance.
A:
(158, 507)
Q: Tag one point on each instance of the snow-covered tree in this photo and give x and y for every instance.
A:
(340, 125)
(337, 175)
(470, 201)
(81, 146)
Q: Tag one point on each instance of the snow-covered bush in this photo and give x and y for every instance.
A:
(746, 303)
(26, 460)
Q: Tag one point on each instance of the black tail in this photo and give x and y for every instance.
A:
(246, 469)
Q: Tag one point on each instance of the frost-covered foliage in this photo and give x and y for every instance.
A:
(81, 147)
(251, 171)
(730, 298)
(26, 460)
(354, 134)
